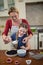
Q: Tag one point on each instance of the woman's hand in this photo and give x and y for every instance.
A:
(6, 39)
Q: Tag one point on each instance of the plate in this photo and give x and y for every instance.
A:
(11, 53)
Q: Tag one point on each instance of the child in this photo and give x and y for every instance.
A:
(20, 35)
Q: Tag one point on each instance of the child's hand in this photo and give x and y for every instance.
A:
(22, 47)
(25, 40)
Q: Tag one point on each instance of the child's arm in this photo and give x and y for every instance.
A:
(22, 47)
(28, 46)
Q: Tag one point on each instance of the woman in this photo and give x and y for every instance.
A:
(13, 23)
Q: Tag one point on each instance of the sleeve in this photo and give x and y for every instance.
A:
(29, 30)
(6, 28)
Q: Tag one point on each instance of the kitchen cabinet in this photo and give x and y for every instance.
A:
(33, 41)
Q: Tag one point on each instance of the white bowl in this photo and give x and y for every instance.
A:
(21, 52)
(28, 62)
(15, 43)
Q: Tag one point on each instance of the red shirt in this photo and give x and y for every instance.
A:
(9, 25)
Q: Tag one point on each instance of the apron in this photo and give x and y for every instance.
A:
(14, 30)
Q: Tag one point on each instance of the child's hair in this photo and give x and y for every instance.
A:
(24, 25)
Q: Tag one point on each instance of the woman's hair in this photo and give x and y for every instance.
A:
(13, 9)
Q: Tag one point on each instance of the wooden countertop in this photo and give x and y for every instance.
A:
(22, 60)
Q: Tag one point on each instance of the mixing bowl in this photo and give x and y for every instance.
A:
(21, 52)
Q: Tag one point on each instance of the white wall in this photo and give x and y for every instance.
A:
(32, 0)
(21, 8)
(20, 5)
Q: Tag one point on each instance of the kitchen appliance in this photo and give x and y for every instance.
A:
(40, 38)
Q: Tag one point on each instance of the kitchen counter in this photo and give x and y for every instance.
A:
(22, 60)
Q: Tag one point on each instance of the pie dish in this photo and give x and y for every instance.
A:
(11, 53)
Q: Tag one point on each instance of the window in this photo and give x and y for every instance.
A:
(1, 4)
(34, 13)
(11, 3)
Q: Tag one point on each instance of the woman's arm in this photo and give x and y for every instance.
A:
(26, 22)
(6, 30)
(7, 27)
